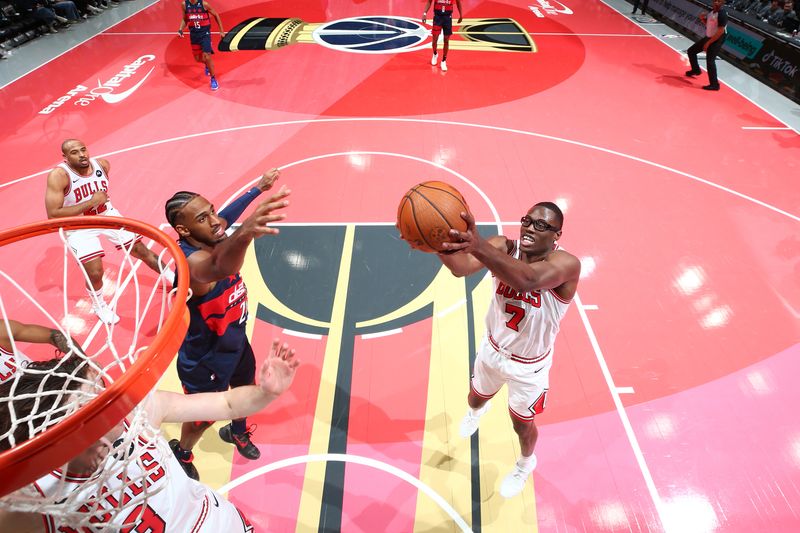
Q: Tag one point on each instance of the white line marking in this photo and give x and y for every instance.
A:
(590, 307)
(174, 33)
(355, 459)
(767, 128)
(444, 312)
(294, 333)
(78, 44)
(382, 334)
(626, 423)
(442, 122)
(625, 390)
(568, 34)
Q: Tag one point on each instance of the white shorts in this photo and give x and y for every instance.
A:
(86, 242)
(527, 382)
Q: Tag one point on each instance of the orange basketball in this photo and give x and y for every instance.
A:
(427, 212)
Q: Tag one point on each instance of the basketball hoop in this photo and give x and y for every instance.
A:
(127, 373)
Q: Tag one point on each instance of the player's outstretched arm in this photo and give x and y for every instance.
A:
(460, 11)
(276, 375)
(234, 210)
(213, 13)
(183, 19)
(35, 334)
(227, 257)
(457, 256)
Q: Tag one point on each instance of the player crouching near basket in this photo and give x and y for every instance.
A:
(216, 353)
(442, 23)
(95, 485)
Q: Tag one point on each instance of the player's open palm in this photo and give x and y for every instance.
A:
(279, 369)
(258, 223)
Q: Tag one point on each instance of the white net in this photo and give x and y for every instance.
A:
(107, 482)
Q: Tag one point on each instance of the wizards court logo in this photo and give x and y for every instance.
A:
(375, 35)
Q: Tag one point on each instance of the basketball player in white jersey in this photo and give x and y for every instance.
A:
(534, 283)
(177, 503)
(79, 186)
(11, 358)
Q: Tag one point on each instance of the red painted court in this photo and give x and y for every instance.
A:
(672, 401)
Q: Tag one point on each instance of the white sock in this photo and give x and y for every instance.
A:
(96, 297)
(526, 463)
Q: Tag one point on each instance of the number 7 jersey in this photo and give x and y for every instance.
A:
(523, 325)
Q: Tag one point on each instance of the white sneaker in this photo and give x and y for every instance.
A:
(106, 315)
(469, 424)
(433, 59)
(444, 66)
(515, 481)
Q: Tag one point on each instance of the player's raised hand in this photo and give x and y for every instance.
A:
(268, 179)
(258, 223)
(278, 369)
(180, 32)
(463, 241)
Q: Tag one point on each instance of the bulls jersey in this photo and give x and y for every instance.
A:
(9, 363)
(217, 321)
(80, 188)
(443, 6)
(176, 503)
(196, 17)
(523, 324)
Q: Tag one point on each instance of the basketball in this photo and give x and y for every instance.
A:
(426, 214)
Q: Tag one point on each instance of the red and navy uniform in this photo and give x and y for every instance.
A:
(216, 353)
(199, 23)
(443, 16)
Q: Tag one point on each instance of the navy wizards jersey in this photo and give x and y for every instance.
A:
(216, 337)
(197, 17)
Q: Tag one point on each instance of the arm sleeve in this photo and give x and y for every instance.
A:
(233, 211)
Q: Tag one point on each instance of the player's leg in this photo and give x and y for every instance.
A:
(486, 381)
(149, 258)
(527, 396)
(711, 64)
(447, 31)
(436, 30)
(87, 247)
(237, 432)
(208, 52)
(692, 52)
(194, 379)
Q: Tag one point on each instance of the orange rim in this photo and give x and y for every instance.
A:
(58, 444)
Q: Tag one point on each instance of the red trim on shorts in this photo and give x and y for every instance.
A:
(523, 418)
(515, 357)
(479, 395)
(134, 240)
(87, 258)
(203, 515)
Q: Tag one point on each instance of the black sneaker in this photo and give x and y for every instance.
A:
(693, 73)
(711, 87)
(185, 458)
(243, 443)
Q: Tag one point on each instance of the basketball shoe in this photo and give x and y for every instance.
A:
(214, 84)
(433, 59)
(469, 424)
(105, 314)
(185, 458)
(514, 482)
(444, 65)
(243, 443)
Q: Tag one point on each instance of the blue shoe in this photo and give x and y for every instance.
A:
(214, 84)
(208, 72)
